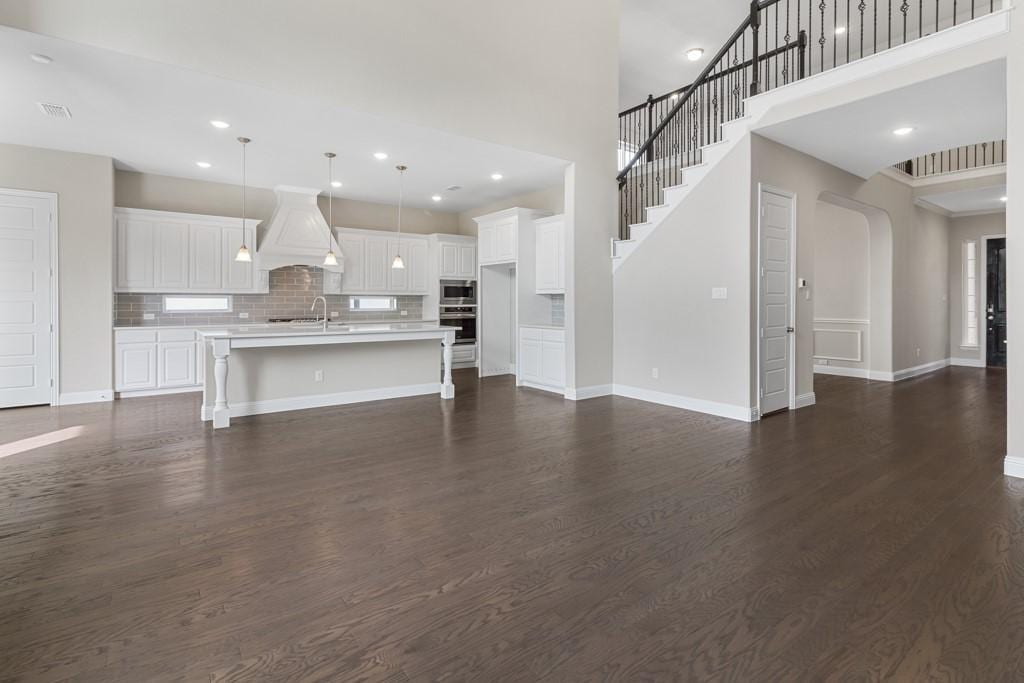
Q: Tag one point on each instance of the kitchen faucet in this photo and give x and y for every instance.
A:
(313, 308)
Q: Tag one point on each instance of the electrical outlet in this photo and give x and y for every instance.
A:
(243, 314)
(654, 373)
(403, 313)
(318, 376)
(148, 316)
(334, 314)
(719, 293)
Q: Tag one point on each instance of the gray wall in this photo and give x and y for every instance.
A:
(85, 199)
(551, 199)
(166, 193)
(961, 229)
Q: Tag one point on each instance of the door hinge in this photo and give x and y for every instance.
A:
(760, 392)
(762, 333)
(51, 381)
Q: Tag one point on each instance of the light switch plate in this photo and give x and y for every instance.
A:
(719, 293)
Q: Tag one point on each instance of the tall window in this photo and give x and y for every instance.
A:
(970, 298)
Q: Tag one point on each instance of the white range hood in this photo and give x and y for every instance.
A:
(297, 233)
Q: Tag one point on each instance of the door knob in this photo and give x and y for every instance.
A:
(790, 330)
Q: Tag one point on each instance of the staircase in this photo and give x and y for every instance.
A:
(673, 141)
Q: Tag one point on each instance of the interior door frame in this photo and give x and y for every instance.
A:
(54, 287)
(762, 188)
(982, 275)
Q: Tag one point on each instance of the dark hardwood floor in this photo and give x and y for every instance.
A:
(513, 536)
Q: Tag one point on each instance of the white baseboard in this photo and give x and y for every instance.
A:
(278, 405)
(862, 373)
(730, 411)
(540, 387)
(804, 400)
(1013, 466)
(918, 370)
(76, 397)
(594, 391)
(967, 362)
(157, 392)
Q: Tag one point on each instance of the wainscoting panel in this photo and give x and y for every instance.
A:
(836, 344)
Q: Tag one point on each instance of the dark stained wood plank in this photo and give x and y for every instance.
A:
(510, 535)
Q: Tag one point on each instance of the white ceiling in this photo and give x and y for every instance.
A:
(154, 118)
(975, 200)
(654, 36)
(957, 109)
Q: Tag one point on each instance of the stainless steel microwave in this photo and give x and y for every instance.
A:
(458, 292)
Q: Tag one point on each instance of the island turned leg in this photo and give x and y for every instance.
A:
(447, 388)
(221, 410)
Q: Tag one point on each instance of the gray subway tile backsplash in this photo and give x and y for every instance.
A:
(292, 291)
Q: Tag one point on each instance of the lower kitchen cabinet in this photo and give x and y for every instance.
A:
(541, 362)
(157, 361)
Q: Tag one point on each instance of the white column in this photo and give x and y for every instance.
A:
(1014, 463)
(221, 410)
(447, 388)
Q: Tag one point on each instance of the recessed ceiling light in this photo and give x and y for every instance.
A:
(41, 58)
(335, 183)
(496, 176)
(840, 30)
(436, 197)
(906, 130)
(220, 124)
(693, 54)
(380, 155)
(1003, 199)
(203, 164)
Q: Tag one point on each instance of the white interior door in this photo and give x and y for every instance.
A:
(776, 313)
(25, 370)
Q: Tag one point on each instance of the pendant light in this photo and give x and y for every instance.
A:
(243, 254)
(398, 263)
(331, 259)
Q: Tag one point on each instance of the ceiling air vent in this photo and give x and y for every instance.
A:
(57, 111)
(453, 188)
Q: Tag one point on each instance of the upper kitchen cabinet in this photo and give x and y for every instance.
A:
(368, 255)
(162, 251)
(550, 248)
(456, 257)
(498, 234)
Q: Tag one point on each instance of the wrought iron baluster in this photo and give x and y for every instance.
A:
(821, 36)
(862, 6)
(835, 40)
(888, 29)
(905, 7)
(847, 31)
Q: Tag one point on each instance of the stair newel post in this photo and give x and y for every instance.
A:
(755, 27)
(801, 44)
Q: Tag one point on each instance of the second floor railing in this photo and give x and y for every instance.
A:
(966, 158)
(778, 42)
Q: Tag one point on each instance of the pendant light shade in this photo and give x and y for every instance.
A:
(331, 259)
(398, 263)
(243, 255)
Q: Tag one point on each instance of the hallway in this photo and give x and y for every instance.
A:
(511, 535)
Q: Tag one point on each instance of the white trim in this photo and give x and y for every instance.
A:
(76, 397)
(277, 405)
(583, 393)
(761, 189)
(55, 397)
(846, 359)
(922, 203)
(843, 321)
(541, 387)
(980, 212)
(156, 214)
(881, 376)
(1013, 466)
(697, 405)
(805, 400)
(860, 373)
(967, 362)
(919, 370)
(947, 177)
(157, 392)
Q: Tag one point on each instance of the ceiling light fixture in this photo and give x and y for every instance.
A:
(496, 176)
(40, 58)
(695, 53)
(331, 259)
(203, 164)
(335, 183)
(243, 254)
(220, 124)
(380, 156)
(398, 263)
(840, 30)
(1003, 199)
(905, 130)
(436, 197)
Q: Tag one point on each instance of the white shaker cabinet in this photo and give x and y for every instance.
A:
(134, 254)
(236, 275)
(541, 362)
(160, 360)
(170, 256)
(550, 254)
(498, 234)
(206, 265)
(368, 255)
(353, 253)
(456, 257)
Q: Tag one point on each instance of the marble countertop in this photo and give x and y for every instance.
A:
(316, 330)
(403, 321)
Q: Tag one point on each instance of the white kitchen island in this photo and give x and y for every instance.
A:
(257, 369)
